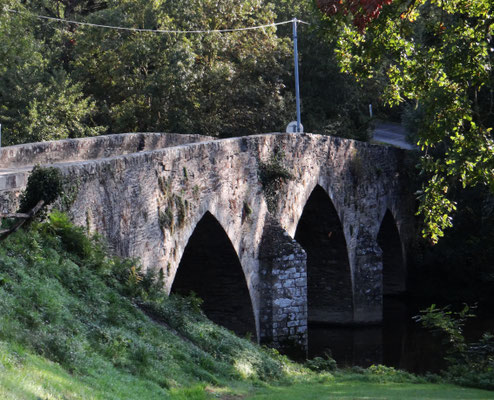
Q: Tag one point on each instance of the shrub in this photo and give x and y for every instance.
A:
(43, 184)
(320, 364)
(470, 364)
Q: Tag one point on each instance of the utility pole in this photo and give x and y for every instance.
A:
(297, 85)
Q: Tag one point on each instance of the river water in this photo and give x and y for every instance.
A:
(398, 342)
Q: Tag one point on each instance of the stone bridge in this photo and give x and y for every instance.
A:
(273, 231)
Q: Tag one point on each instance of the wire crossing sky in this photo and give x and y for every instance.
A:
(121, 28)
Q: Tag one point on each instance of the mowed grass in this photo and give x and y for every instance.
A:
(24, 376)
(364, 390)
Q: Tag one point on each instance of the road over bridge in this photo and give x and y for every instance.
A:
(273, 231)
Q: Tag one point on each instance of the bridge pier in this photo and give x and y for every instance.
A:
(283, 306)
(367, 280)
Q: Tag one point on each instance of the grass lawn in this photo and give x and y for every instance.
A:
(367, 390)
(24, 376)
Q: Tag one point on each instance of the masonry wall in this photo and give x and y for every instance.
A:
(17, 161)
(90, 148)
(283, 308)
(147, 205)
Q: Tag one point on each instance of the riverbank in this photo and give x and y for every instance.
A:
(24, 376)
(76, 323)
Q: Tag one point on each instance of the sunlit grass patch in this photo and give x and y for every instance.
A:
(351, 390)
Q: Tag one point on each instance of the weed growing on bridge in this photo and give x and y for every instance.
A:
(164, 185)
(173, 211)
(273, 175)
(165, 219)
(246, 211)
(356, 168)
(44, 183)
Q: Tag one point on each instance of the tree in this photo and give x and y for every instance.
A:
(37, 100)
(438, 56)
(67, 9)
(57, 110)
(214, 84)
(362, 12)
(333, 103)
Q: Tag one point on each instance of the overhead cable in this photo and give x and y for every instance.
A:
(249, 28)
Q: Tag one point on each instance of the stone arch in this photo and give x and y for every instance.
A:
(394, 269)
(329, 279)
(210, 267)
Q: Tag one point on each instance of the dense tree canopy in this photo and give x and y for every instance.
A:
(362, 12)
(437, 57)
(62, 80)
(215, 84)
(38, 98)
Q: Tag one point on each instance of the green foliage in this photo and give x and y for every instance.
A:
(27, 376)
(44, 183)
(165, 219)
(382, 373)
(470, 364)
(39, 100)
(460, 268)
(272, 176)
(411, 119)
(356, 168)
(379, 374)
(114, 333)
(213, 84)
(319, 364)
(438, 56)
(61, 81)
(72, 238)
(434, 206)
(63, 297)
(333, 103)
(174, 212)
(246, 211)
(447, 322)
(58, 110)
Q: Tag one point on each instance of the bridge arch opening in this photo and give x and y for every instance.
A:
(329, 283)
(211, 269)
(394, 271)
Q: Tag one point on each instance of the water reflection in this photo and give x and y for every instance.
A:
(349, 346)
(399, 342)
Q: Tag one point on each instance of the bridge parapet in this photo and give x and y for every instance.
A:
(90, 148)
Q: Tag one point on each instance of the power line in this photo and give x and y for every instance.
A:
(249, 28)
(293, 21)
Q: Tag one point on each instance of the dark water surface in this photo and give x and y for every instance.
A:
(399, 342)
